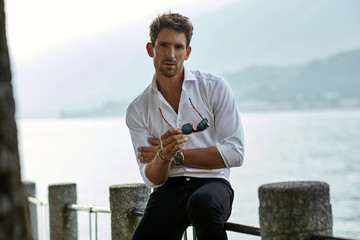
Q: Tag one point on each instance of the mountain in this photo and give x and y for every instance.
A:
(113, 68)
(331, 82)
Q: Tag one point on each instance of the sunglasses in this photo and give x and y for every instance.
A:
(188, 128)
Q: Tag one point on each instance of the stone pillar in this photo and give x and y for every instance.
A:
(30, 191)
(294, 210)
(63, 222)
(123, 199)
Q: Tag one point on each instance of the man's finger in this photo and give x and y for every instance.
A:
(154, 141)
(174, 139)
(148, 155)
(174, 146)
(170, 132)
(146, 148)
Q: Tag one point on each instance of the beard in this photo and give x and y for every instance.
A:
(167, 71)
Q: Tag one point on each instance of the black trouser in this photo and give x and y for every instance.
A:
(204, 203)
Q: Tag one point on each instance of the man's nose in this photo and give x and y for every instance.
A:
(171, 52)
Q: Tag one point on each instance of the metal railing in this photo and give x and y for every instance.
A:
(94, 210)
(235, 227)
(90, 209)
(42, 211)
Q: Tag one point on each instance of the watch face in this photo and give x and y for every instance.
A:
(178, 159)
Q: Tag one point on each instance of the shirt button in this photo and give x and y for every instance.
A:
(187, 179)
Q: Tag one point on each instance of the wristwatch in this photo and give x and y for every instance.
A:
(178, 159)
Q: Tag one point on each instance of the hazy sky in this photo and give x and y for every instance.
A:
(37, 25)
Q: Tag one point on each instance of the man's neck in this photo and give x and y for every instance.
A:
(171, 88)
(172, 85)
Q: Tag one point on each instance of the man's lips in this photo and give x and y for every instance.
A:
(169, 63)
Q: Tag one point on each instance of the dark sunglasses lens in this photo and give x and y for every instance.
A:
(187, 129)
(202, 125)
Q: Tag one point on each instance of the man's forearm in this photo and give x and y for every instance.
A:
(206, 158)
(157, 171)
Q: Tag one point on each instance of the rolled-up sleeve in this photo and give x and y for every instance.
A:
(229, 129)
(139, 136)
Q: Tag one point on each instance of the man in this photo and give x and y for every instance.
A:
(187, 134)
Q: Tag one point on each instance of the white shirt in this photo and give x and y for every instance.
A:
(213, 98)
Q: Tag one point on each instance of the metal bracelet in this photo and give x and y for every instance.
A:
(163, 157)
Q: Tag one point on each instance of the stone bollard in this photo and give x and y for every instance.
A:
(123, 199)
(294, 210)
(30, 191)
(63, 222)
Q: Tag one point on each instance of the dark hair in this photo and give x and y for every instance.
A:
(174, 21)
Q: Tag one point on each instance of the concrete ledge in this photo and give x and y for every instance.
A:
(292, 210)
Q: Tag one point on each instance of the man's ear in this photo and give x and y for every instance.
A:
(149, 48)
(188, 51)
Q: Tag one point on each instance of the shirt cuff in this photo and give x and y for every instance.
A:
(232, 156)
(146, 180)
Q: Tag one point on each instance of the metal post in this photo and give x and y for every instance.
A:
(123, 200)
(294, 210)
(63, 222)
(30, 191)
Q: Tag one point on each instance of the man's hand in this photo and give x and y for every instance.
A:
(147, 153)
(172, 141)
(158, 168)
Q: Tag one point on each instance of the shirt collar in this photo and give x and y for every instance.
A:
(188, 76)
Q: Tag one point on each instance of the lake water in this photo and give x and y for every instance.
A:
(319, 145)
